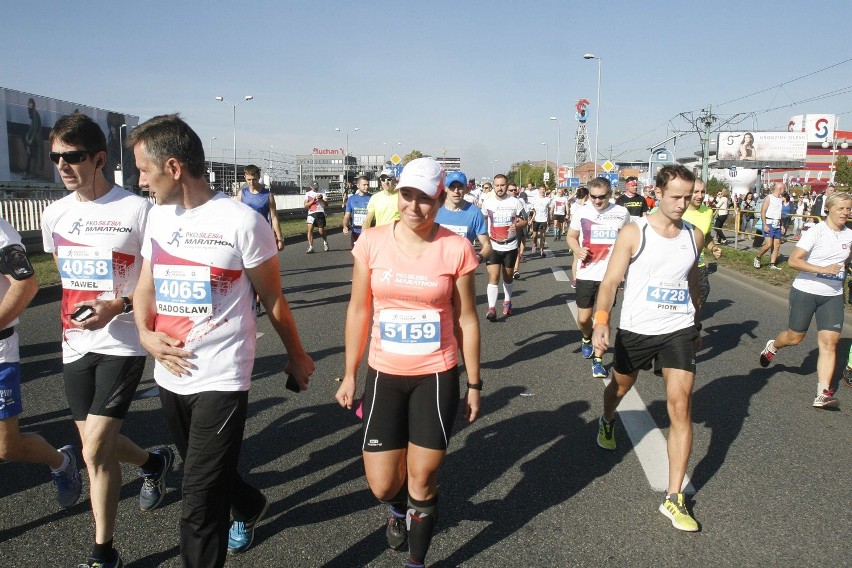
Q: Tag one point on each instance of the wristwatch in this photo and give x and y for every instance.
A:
(128, 305)
(475, 386)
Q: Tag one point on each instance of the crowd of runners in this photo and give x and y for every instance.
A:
(184, 281)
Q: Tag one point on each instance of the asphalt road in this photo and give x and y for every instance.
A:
(525, 485)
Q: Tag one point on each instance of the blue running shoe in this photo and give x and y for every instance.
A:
(598, 370)
(68, 482)
(95, 563)
(154, 484)
(586, 348)
(241, 534)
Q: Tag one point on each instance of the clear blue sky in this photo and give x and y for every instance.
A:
(479, 78)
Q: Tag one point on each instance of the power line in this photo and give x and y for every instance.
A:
(786, 82)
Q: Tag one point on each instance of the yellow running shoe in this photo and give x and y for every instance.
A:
(675, 509)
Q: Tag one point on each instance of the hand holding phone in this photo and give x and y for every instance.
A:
(82, 314)
(292, 385)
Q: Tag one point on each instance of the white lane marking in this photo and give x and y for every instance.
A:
(648, 440)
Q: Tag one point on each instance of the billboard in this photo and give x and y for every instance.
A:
(25, 123)
(817, 127)
(761, 149)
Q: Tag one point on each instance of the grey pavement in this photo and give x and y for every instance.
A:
(525, 485)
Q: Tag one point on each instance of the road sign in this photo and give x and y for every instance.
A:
(573, 182)
(395, 159)
(608, 166)
(397, 170)
(613, 178)
(546, 176)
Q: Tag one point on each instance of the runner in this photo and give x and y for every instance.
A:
(700, 216)
(316, 202)
(594, 228)
(417, 278)
(659, 322)
(820, 257)
(355, 210)
(522, 232)
(261, 200)
(101, 355)
(560, 213)
(461, 217)
(18, 286)
(770, 214)
(581, 197)
(383, 207)
(203, 340)
(541, 205)
(631, 200)
(503, 213)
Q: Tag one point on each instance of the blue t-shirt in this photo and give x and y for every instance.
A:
(467, 223)
(356, 206)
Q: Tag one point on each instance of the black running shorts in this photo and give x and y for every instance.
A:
(102, 385)
(505, 258)
(419, 409)
(634, 351)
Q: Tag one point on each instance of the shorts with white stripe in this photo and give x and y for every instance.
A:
(418, 409)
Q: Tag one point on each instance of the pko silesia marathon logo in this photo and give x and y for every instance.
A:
(204, 239)
(99, 226)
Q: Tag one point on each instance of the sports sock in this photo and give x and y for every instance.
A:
(153, 463)
(492, 291)
(507, 292)
(65, 462)
(421, 526)
(103, 552)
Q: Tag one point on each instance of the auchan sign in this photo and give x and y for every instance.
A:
(327, 151)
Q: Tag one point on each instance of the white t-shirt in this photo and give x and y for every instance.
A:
(9, 346)
(541, 206)
(96, 244)
(314, 204)
(560, 205)
(203, 295)
(598, 231)
(823, 247)
(502, 214)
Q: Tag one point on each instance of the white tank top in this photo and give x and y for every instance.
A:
(773, 210)
(656, 293)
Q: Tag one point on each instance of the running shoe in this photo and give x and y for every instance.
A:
(310, 250)
(606, 434)
(847, 377)
(598, 370)
(825, 399)
(396, 531)
(756, 262)
(491, 314)
(154, 484)
(325, 246)
(241, 534)
(95, 563)
(507, 308)
(768, 353)
(68, 482)
(586, 348)
(516, 275)
(675, 509)
(412, 564)
(774, 266)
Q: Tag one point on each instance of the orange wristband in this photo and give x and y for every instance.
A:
(601, 317)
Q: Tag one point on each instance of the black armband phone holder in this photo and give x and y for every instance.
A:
(14, 262)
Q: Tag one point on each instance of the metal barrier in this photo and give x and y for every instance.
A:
(784, 238)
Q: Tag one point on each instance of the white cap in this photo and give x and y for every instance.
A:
(425, 174)
(387, 172)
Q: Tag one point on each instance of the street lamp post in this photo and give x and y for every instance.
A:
(121, 151)
(558, 144)
(246, 98)
(212, 177)
(544, 176)
(346, 158)
(597, 109)
(834, 142)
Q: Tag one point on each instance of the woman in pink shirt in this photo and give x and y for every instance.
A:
(413, 297)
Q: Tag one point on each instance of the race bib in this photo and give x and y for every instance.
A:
(358, 219)
(410, 332)
(183, 290)
(85, 268)
(603, 235)
(669, 296)
(460, 230)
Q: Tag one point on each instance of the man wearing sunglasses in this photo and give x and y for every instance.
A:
(463, 218)
(383, 207)
(95, 234)
(591, 235)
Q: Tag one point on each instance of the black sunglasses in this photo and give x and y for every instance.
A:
(72, 157)
(599, 197)
(385, 179)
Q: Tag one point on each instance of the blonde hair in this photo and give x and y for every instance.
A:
(833, 198)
